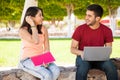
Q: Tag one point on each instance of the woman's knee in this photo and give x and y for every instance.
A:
(55, 70)
(47, 76)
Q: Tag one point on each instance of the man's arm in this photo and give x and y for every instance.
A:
(108, 44)
(74, 48)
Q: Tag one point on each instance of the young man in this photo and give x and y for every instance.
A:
(92, 33)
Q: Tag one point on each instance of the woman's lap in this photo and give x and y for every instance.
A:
(52, 71)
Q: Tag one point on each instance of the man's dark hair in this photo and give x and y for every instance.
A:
(98, 10)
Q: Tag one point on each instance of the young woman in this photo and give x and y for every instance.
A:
(34, 38)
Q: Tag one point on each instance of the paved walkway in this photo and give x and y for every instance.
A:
(7, 68)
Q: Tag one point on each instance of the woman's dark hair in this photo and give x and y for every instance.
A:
(98, 10)
(32, 11)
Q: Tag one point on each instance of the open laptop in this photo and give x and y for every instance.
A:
(96, 53)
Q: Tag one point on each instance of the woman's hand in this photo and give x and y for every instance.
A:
(29, 20)
(45, 65)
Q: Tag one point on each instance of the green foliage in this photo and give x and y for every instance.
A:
(57, 9)
(54, 11)
(11, 9)
(80, 6)
(118, 23)
(80, 12)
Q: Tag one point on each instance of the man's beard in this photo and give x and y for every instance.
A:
(92, 23)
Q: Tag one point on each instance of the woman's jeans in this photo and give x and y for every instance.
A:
(44, 73)
(84, 66)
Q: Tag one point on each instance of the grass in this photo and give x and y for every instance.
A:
(116, 48)
(10, 51)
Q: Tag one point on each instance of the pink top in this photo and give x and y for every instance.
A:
(32, 49)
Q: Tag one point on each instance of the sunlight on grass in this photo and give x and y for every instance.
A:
(10, 51)
(61, 51)
(116, 48)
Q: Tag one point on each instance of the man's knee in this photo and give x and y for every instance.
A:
(82, 70)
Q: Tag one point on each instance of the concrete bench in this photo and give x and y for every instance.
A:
(67, 73)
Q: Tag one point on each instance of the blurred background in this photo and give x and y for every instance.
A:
(61, 17)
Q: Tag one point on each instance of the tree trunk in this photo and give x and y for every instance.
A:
(112, 15)
(27, 4)
(11, 25)
(69, 12)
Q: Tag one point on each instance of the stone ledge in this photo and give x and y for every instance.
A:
(67, 73)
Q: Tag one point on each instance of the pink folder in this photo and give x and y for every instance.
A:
(44, 58)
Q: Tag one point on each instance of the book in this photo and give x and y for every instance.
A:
(44, 58)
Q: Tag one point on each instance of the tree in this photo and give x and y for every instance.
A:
(55, 9)
(15, 8)
(110, 7)
(10, 11)
(28, 3)
(52, 11)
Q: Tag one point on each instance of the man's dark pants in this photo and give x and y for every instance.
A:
(83, 67)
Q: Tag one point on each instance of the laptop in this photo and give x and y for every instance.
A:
(44, 58)
(96, 53)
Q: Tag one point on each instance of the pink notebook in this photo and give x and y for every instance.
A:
(42, 59)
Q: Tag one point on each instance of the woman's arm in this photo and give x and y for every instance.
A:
(25, 35)
(46, 43)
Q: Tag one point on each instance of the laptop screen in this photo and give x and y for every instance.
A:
(96, 53)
